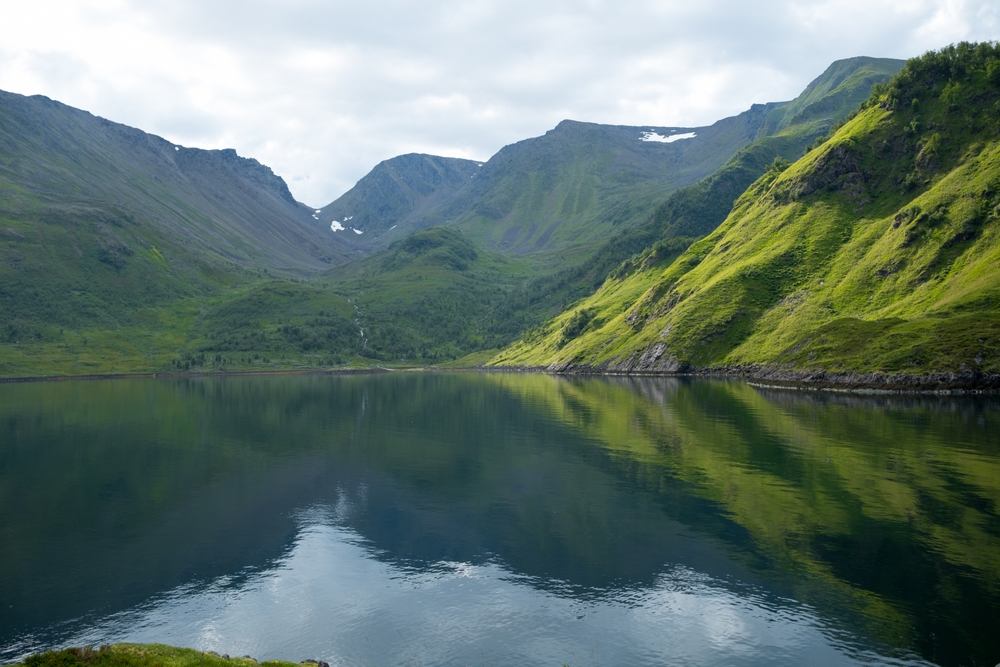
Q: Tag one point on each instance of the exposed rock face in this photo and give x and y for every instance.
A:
(963, 381)
(653, 360)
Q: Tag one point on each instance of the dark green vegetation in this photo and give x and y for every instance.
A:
(115, 191)
(870, 517)
(114, 244)
(431, 297)
(120, 252)
(141, 655)
(877, 251)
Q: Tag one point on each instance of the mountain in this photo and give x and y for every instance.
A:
(122, 252)
(697, 209)
(875, 252)
(581, 183)
(64, 162)
(470, 307)
(574, 185)
(114, 241)
(835, 93)
(394, 194)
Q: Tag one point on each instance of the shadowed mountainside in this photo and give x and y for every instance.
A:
(581, 183)
(395, 193)
(574, 185)
(58, 163)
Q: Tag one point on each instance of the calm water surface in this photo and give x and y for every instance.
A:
(460, 519)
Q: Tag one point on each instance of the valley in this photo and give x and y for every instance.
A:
(752, 243)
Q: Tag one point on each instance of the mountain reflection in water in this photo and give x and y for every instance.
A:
(448, 518)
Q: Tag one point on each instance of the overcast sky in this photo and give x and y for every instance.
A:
(321, 91)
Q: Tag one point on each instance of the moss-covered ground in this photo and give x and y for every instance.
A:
(141, 655)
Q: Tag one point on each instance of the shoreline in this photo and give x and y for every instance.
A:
(197, 374)
(764, 377)
(761, 377)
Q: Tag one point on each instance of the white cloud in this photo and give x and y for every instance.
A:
(322, 91)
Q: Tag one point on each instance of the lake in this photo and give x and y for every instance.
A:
(500, 519)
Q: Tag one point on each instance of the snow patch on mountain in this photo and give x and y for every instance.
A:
(339, 226)
(653, 135)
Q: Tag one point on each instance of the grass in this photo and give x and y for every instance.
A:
(874, 252)
(141, 655)
(696, 210)
(471, 360)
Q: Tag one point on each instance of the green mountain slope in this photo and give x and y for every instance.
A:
(430, 297)
(212, 203)
(874, 252)
(574, 185)
(582, 182)
(114, 242)
(698, 209)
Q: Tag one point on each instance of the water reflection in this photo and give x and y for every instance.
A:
(446, 519)
(330, 598)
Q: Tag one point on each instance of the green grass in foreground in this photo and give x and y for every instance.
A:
(139, 655)
(145, 655)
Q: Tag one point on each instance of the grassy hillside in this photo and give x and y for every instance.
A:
(56, 160)
(143, 655)
(257, 326)
(698, 209)
(117, 248)
(581, 182)
(567, 189)
(431, 297)
(120, 252)
(874, 252)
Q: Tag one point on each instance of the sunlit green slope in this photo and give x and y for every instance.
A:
(696, 210)
(144, 655)
(877, 251)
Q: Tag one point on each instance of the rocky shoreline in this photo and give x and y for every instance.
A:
(197, 374)
(652, 364)
(653, 361)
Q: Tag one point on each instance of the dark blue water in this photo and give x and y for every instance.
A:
(459, 519)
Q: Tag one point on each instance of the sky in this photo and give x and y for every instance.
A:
(323, 90)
